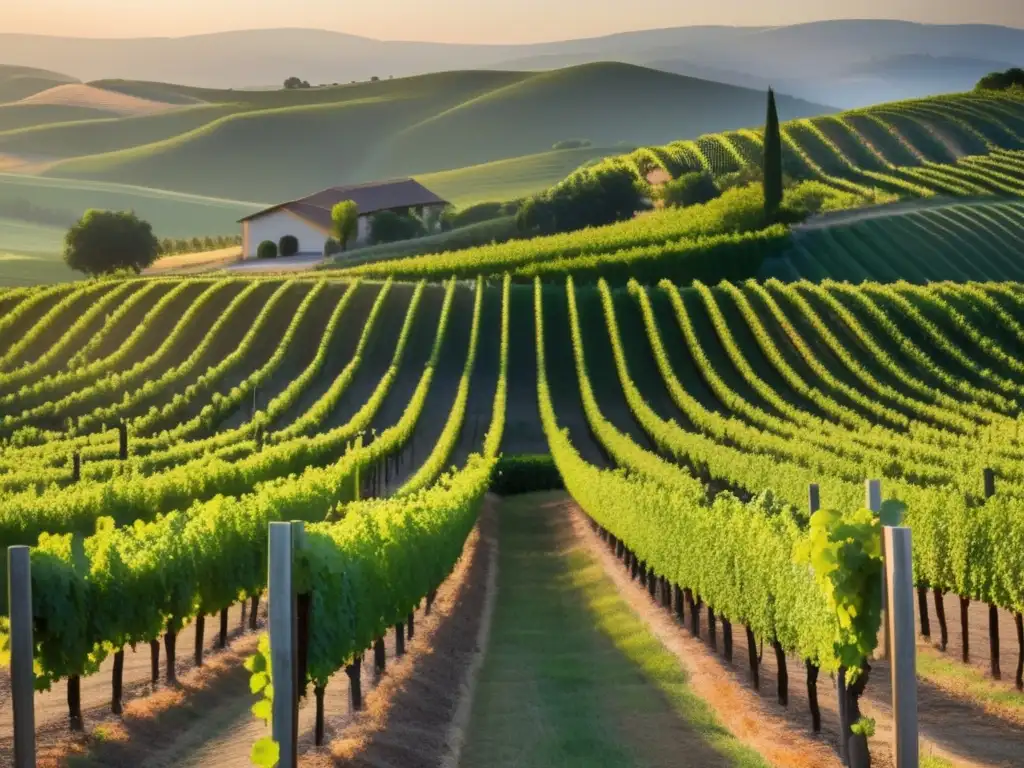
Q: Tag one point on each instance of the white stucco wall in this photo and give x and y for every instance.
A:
(274, 226)
(363, 233)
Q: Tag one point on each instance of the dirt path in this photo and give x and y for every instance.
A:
(571, 676)
(952, 728)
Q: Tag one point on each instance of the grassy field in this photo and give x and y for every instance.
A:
(509, 179)
(570, 663)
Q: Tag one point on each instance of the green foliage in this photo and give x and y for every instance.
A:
(345, 222)
(864, 727)
(689, 189)
(586, 200)
(266, 250)
(845, 553)
(295, 82)
(106, 241)
(1012, 78)
(572, 144)
(741, 558)
(499, 230)
(331, 247)
(525, 473)
(288, 245)
(265, 752)
(174, 246)
(772, 164)
(390, 227)
(650, 242)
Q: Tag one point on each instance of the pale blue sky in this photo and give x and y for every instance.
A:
(481, 21)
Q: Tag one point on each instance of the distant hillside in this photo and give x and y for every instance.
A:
(278, 144)
(17, 83)
(802, 57)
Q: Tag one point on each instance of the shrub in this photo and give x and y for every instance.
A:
(592, 199)
(750, 174)
(1002, 81)
(689, 189)
(288, 245)
(267, 250)
(331, 247)
(106, 241)
(390, 227)
(573, 144)
(525, 473)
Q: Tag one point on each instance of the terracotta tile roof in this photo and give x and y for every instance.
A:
(373, 197)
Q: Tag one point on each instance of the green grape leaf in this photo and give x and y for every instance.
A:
(265, 753)
(258, 682)
(263, 709)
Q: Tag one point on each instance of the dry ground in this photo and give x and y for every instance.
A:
(82, 95)
(195, 262)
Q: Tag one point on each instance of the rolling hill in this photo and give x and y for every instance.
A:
(18, 83)
(286, 143)
(802, 59)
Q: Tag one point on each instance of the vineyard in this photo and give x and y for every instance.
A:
(153, 428)
(928, 154)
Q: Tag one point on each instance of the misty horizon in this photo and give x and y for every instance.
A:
(463, 22)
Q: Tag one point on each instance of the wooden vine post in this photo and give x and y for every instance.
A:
(993, 611)
(19, 601)
(283, 639)
(899, 582)
(813, 505)
(873, 501)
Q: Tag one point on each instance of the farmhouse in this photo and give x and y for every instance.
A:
(309, 218)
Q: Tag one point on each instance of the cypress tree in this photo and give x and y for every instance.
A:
(772, 161)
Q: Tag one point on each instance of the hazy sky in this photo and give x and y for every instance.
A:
(482, 21)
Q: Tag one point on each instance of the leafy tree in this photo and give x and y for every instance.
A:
(689, 189)
(294, 82)
(772, 161)
(267, 250)
(109, 241)
(584, 200)
(390, 227)
(288, 245)
(345, 222)
(1002, 81)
